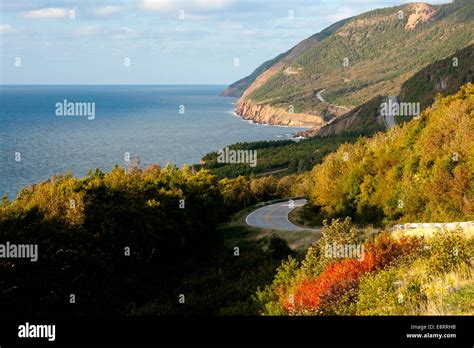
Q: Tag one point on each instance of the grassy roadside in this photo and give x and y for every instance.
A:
(296, 218)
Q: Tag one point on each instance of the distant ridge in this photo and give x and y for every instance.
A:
(354, 61)
(438, 78)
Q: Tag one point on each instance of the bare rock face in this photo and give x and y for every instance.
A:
(442, 84)
(297, 78)
(422, 13)
(268, 115)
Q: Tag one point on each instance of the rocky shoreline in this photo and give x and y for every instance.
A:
(265, 114)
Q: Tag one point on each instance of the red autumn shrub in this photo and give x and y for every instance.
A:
(386, 249)
(336, 287)
(340, 274)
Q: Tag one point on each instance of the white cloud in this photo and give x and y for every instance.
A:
(108, 10)
(229, 25)
(88, 30)
(47, 13)
(124, 33)
(166, 5)
(6, 29)
(156, 5)
(211, 4)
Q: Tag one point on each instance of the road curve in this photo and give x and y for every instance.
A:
(275, 216)
(321, 99)
(319, 96)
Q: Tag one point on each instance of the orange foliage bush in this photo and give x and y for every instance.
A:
(339, 281)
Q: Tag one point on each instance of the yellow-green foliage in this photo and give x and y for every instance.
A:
(130, 241)
(410, 290)
(424, 285)
(118, 228)
(268, 298)
(421, 171)
(59, 198)
(449, 250)
(426, 277)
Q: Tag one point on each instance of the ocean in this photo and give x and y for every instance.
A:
(158, 124)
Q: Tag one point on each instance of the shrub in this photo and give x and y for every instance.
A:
(377, 293)
(337, 278)
(264, 189)
(449, 249)
(339, 232)
(278, 248)
(399, 289)
(385, 249)
(269, 298)
(335, 290)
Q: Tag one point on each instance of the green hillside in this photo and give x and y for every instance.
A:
(438, 78)
(288, 157)
(420, 171)
(382, 50)
(237, 88)
(441, 77)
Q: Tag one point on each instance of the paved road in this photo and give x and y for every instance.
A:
(275, 216)
(321, 99)
(319, 96)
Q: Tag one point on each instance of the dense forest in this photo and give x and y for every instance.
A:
(384, 52)
(278, 158)
(112, 243)
(155, 241)
(420, 171)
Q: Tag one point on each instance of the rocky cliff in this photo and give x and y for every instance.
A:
(353, 62)
(269, 115)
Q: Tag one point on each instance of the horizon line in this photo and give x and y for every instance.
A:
(114, 84)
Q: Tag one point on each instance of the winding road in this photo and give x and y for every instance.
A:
(275, 216)
(319, 96)
(321, 99)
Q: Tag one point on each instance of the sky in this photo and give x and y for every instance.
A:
(157, 41)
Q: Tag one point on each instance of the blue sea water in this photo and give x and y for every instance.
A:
(142, 120)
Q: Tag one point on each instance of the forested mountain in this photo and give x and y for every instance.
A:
(420, 171)
(238, 88)
(138, 242)
(443, 77)
(354, 61)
